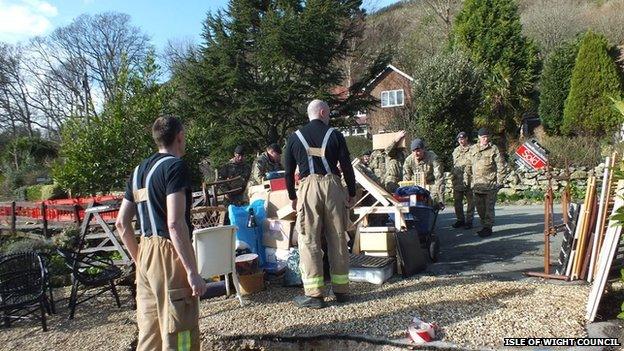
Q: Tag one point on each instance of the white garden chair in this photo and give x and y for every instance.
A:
(215, 249)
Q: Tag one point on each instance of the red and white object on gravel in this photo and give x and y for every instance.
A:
(421, 332)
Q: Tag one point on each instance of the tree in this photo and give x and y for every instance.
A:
(595, 79)
(551, 22)
(555, 86)
(446, 94)
(261, 62)
(490, 31)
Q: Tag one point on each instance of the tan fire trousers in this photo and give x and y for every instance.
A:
(167, 313)
(322, 212)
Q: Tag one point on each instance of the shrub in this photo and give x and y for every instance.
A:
(33, 192)
(555, 86)
(68, 238)
(446, 94)
(588, 110)
(491, 32)
(358, 145)
(576, 151)
(26, 245)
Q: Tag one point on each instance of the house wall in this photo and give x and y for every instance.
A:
(380, 118)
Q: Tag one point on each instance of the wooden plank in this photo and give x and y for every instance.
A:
(577, 233)
(611, 190)
(587, 214)
(605, 259)
(602, 204)
(386, 210)
(112, 237)
(379, 193)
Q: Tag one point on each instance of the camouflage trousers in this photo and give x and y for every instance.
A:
(458, 201)
(485, 207)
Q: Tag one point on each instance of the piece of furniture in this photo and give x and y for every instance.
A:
(22, 288)
(215, 252)
(90, 272)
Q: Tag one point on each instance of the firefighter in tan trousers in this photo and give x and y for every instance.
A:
(322, 204)
(461, 189)
(168, 283)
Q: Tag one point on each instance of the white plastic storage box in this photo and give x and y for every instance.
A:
(370, 269)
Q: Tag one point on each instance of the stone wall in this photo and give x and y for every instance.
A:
(520, 180)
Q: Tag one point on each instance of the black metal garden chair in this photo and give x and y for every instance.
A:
(22, 288)
(90, 272)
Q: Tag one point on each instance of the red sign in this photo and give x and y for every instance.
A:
(530, 157)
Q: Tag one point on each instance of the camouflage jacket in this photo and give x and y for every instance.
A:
(233, 170)
(391, 178)
(461, 156)
(485, 171)
(261, 166)
(432, 170)
(379, 159)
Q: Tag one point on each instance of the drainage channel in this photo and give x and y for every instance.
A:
(317, 343)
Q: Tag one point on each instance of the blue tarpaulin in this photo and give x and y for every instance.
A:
(239, 216)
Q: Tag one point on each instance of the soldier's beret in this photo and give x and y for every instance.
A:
(239, 150)
(462, 135)
(417, 144)
(483, 131)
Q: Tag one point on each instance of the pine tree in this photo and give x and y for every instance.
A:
(555, 86)
(595, 79)
(262, 62)
(491, 32)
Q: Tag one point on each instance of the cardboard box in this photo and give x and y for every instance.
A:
(251, 283)
(278, 234)
(287, 213)
(275, 201)
(381, 141)
(257, 192)
(380, 241)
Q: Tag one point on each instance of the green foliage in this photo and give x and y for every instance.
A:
(68, 238)
(595, 78)
(98, 155)
(358, 145)
(531, 195)
(33, 192)
(555, 86)
(446, 94)
(573, 151)
(491, 32)
(26, 245)
(259, 66)
(23, 160)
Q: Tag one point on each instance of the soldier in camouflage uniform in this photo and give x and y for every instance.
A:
(425, 163)
(386, 164)
(269, 161)
(461, 189)
(236, 167)
(485, 174)
(379, 158)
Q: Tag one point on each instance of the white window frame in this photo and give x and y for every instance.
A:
(391, 98)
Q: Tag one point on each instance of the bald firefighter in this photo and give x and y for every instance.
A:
(322, 204)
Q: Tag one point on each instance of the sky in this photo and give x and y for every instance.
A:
(162, 20)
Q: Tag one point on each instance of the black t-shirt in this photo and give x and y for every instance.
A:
(170, 177)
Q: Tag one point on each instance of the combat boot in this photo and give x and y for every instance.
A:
(342, 297)
(485, 232)
(468, 225)
(458, 224)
